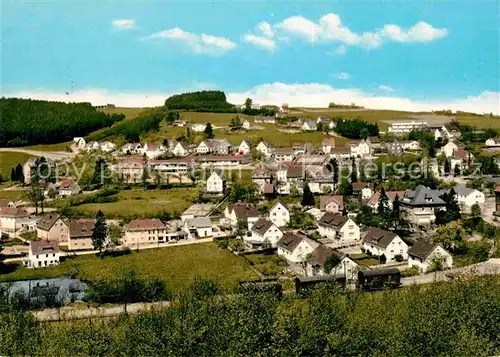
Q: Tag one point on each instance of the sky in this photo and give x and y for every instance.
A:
(383, 55)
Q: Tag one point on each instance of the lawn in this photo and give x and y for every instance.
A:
(13, 195)
(366, 262)
(267, 264)
(129, 113)
(176, 266)
(8, 160)
(49, 147)
(143, 203)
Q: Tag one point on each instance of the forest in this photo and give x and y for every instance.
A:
(32, 122)
(202, 101)
(356, 129)
(458, 318)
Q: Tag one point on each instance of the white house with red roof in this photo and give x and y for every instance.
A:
(327, 145)
(13, 219)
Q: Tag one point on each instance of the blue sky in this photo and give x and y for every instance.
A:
(437, 53)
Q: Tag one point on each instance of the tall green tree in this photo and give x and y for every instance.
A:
(100, 232)
(307, 196)
(383, 209)
(248, 103)
(209, 131)
(334, 167)
(354, 171)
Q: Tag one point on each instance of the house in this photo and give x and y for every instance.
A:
(394, 148)
(264, 232)
(327, 145)
(213, 146)
(265, 148)
(315, 212)
(33, 165)
(216, 182)
(374, 142)
(144, 231)
(391, 195)
(198, 128)
(319, 178)
(222, 161)
(130, 168)
(52, 228)
(424, 254)
(197, 210)
(284, 108)
(363, 188)
(309, 125)
(359, 148)
(449, 148)
(79, 143)
(152, 150)
(340, 228)
(92, 146)
(279, 215)
(262, 176)
(107, 146)
(332, 204)
(80, 234)
(285, 154)
(467, 197)
(240, 212)
(295, 247)
(381, 242)
(326, 261)
(340, 153)
(421, 204)
(252, 106)
(198, 227)
(13, 219)
(43, 253)
(301, 148)
(492, 142)
(6, 203)
(265, 120)
(68, 188)
(180, 123)
(245, 148)
(412, 145)
(182, 148)
(246, 125)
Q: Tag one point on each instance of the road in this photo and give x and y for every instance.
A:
(53, 155)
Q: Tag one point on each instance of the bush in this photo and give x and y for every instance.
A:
(382, 259)
(398, 257)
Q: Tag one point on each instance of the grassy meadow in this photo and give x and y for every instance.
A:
(8, 160)
(143, 203)
(50, 147)
(176, 266)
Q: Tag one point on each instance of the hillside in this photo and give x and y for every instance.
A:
(32, 122)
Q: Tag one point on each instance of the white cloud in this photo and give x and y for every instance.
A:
(200, 44)
(259, 41)
(330, 28)
(340, 50)
(343, 76)
(420, 32)
(308, 94)
(266, 29)
(123, 24)
(386, 88)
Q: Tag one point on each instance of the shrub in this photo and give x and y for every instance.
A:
(382, 259)
(398, 257)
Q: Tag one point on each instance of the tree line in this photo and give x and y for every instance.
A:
(458, 318)
(356, 129)
(202, 101)
(31, 122)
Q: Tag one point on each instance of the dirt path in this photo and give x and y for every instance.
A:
(53, 155)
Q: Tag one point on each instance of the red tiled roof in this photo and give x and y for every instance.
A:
(44, 247)
(13, 212)
(328, 142)
(325, 200)
(390, 194)
(360, 185)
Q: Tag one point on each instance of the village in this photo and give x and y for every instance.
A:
(315, 208)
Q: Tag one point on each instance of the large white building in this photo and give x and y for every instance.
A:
(340, 228)
(406, 126)
(216, 182)
(264, 231)
(279, 215)
(467, 197)
(295, 247)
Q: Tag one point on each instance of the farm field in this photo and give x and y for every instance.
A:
(176, 266)
(143, 203)
(50, 147)
(14, 195)
(8, 160)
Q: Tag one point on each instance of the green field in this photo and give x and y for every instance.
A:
(176, 266)
(8, 160)
(267, 264)
(143, 203)
(49, 147)
(13, 195)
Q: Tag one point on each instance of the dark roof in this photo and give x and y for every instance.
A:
(422, 248)
(82, 228)
(290, 241)
(423, 196)
(379, 237)
(374, 139)
(46, 222)
(243, 211)
(262, 226)
(44, 247)
(295, 171)
(320, 255)
(332, 220)
(358, 186)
